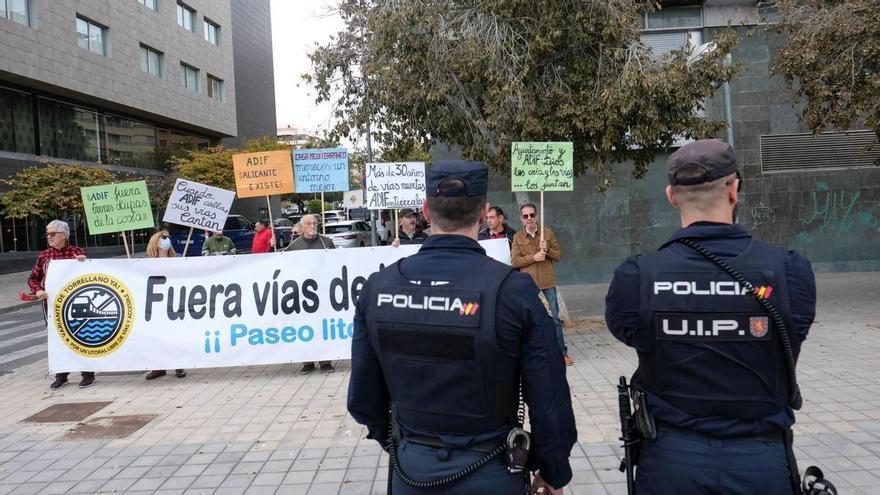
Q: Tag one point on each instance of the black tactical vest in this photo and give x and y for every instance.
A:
(438, 349)
(715, 351)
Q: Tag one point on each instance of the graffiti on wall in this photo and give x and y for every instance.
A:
(837, 211)
(761, 215)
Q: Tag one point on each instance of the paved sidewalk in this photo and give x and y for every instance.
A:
(269, 430)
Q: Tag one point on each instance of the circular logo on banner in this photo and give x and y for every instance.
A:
(93, 314)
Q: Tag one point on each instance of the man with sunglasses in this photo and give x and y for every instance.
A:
(57, 237)
(712, 370)
(535, 254)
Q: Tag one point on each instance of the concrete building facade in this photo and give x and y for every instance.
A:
(126, 84)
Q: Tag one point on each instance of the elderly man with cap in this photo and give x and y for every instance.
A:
(408, 229)
(714, 374)
(444, 342)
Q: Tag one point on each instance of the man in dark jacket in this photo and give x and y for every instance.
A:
(496, 226)
(442, 341)
(311, 239)
(711, 359)
(409, 231)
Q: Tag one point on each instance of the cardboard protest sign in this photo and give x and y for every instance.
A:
(192, 204)
(263, 174)
(542, 167)
(353, 199)
(321, 170)
(117, 207)
(395, 185)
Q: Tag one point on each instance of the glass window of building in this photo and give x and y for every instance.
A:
(189, 77)
(151, 61)
(16, 10)
(128, 142)
(16, 121)
(68, 131)
(91, 36)
(186, 17)
(212, 32)
(674, 18)
(150, 4)
(215, 88)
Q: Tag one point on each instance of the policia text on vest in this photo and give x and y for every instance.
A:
(442, 341)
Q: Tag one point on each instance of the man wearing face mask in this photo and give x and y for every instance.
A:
(714, 372)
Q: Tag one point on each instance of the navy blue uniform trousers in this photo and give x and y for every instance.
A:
(423, 463)
(682, 463)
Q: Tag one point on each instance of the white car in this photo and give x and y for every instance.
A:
(349, 233)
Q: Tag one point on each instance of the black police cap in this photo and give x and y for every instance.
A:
(715, 157)
(457, 178)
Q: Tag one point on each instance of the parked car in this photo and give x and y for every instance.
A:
(383, 231)
(291, 209)
(333, 216)
(237, 228)
(283, 232)
(349, 233)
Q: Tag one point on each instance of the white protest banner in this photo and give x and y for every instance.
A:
(163, 313)
(395, 185)
(192, 204)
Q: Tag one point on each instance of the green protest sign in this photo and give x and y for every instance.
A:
(117, 207)
(542, 167)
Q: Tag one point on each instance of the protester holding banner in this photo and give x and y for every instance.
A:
(218, 245)
(534, 252)
(496, 226)
(409, 231)
(311, 239)
(263, 239)
(159, 246)
(57, 236)
(446, 336)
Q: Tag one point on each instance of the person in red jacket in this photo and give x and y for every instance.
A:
(58, 239)
(263, 239)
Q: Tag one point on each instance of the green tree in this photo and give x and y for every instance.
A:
(50, 191)
(481, 74)
(832, 54)
(213, 165)
(314, 206)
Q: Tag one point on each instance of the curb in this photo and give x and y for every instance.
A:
(16, 307)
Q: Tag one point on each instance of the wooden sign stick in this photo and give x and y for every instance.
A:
(188, 239)
(125, 240)
(323, 219)
(271, 222)
(396, 227)
(542, 216)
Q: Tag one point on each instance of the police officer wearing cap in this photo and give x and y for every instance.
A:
(443, 340)
(711, 363)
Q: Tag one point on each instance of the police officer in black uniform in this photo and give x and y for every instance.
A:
(710, 360)
(442, 341)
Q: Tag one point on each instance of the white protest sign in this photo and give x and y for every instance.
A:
(353, 199)
(196, 205)
(163, 313)
(395, 185)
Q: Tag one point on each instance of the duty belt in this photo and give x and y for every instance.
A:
(775, 437)
(485, 447)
